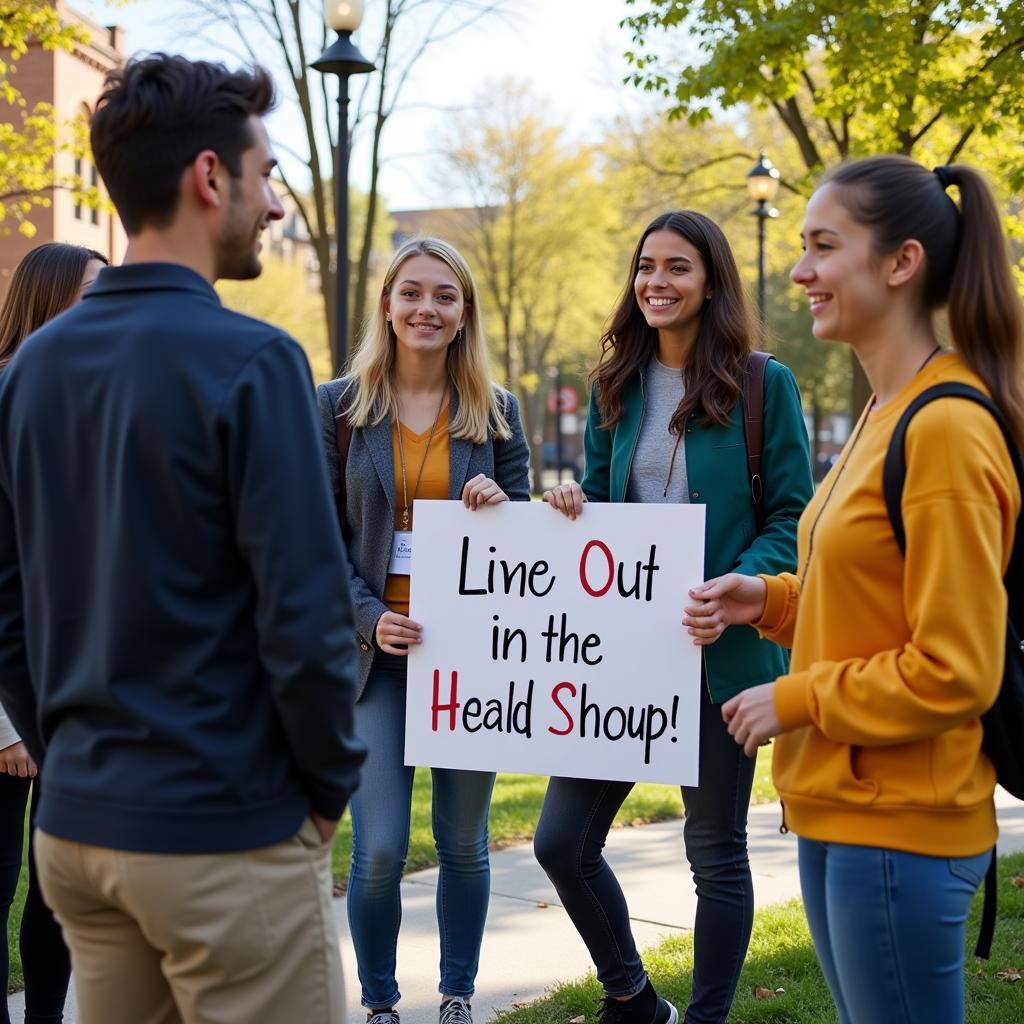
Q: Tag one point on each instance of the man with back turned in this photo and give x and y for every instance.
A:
(176, 639)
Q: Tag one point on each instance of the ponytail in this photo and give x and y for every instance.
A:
(967, 267)
(984, 308)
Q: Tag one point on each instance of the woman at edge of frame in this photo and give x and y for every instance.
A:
(426, 423)
(895, 656)
(666, 425)
(50, 279)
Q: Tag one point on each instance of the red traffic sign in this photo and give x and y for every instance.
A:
(568, 399)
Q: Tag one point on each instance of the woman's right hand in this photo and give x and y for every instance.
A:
(396, 633)
(728, 600)
(16, 760)
(567, 498)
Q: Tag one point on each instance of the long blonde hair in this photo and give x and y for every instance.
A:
(374, 398)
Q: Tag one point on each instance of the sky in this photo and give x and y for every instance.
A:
(570, 51)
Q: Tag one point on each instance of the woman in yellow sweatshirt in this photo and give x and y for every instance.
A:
(895, 658)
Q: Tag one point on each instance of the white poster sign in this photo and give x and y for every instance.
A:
(555, 647)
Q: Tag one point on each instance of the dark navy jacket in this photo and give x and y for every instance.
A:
(176, 635)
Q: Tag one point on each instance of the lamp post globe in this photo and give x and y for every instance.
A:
(762, 184)
(341, 58)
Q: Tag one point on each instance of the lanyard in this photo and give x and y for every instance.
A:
(426, 452)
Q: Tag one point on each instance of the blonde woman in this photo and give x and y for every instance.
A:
(425, 422)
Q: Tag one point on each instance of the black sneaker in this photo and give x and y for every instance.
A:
(455, 1011)
(389, 1016)
(646, 1007)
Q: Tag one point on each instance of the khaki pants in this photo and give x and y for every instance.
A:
(233, 938)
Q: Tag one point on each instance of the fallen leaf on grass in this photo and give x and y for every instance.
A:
(1010, 974)
(577, 1020)
(763, 993)
(1017, 882)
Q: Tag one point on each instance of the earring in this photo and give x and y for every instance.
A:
(458, 336)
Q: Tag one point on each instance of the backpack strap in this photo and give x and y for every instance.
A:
(987, 926)
(753, 428)
(343, 439)
(894, 471)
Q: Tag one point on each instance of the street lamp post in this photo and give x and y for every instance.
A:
(762, 184)
(342, 58)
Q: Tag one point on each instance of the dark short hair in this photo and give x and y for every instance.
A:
(156, 115)
(44, 284)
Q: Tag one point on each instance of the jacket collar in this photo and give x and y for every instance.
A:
(146, 277)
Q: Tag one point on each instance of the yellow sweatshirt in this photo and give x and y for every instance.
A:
(894, 660)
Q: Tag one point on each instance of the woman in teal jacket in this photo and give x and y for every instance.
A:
(666, 425)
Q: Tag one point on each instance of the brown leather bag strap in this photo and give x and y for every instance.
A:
(753, 429)
(343, 436)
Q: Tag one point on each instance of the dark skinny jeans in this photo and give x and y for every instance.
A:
(570, 838)
(44, 957)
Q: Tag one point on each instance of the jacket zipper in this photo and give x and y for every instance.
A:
(636, 440)
(783, 828)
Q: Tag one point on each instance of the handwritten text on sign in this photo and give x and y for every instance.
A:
(555, 647)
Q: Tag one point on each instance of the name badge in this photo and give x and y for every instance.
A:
(401, 554)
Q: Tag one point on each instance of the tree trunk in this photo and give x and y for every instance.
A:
(363, 270)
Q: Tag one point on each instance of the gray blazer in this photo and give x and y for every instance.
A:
(370, 498)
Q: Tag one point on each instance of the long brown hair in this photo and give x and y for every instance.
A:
(713, 374)
(966, 265)
(44, 284)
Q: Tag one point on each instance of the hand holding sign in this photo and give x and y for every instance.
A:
(554, 647)
(567, 498)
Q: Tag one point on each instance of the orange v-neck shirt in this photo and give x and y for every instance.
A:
(434, 485)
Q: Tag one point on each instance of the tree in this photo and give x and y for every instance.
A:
(540, 237)
(286, 35)
(923, 78)
(30, 141)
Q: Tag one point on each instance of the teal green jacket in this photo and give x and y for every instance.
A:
(716, 471)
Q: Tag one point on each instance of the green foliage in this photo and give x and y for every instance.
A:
(844, 80)
(32, 138)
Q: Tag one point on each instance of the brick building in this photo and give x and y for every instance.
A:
(71, 81)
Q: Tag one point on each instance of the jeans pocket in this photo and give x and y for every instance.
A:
(970, 869)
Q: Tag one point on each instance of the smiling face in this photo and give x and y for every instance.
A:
(425, 305)
(671, 284)
(841, 274)
(252, 206)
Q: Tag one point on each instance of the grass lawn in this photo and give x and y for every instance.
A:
(781, 957)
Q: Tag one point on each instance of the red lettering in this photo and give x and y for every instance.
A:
(561, 707)
(583, 569)
(453, 704)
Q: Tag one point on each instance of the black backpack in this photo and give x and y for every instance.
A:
(1004, 721)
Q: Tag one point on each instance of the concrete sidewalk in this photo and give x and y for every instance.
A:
(530, 944)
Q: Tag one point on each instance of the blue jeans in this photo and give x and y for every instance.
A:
(381, 810)
(574, 824)
(889, 929)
